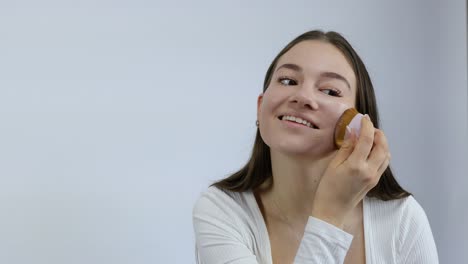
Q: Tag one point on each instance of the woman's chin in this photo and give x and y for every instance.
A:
(302, 150)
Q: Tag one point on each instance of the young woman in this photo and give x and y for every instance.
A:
(299, 199)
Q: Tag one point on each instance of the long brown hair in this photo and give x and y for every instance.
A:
(258, 168)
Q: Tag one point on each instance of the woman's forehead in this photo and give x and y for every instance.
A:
(315, 55)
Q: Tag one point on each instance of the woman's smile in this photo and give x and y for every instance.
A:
(297, 121)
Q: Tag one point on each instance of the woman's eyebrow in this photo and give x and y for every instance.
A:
(335, 75)
(332, 75)
(290, 66)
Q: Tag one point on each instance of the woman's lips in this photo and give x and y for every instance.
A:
(297, 120)
(295, 124)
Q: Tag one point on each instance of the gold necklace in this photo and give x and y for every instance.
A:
(288, 223)
(299, 236)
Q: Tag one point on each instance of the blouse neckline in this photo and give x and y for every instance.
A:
(266, 247)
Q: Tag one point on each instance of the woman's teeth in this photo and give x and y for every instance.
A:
(298, 120)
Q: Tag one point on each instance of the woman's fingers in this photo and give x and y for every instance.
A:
(379, 153)
(365, 141)
(383, 166)
(371, 154)
(346, 149)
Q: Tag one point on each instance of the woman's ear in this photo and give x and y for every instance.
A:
(259, 103)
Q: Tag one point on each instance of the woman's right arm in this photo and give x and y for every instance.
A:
(354, 171)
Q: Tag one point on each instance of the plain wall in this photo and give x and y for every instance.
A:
(116, 115)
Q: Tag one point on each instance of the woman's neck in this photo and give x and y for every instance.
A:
(293, 186)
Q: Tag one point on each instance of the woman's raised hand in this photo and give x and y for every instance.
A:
(354, 171)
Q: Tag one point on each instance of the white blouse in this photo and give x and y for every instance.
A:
(229, 228)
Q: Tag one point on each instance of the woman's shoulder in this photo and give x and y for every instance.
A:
(230, 213)
(220, 198)
(220, 203)
(404, 219)
(401, 225)
(397, 209)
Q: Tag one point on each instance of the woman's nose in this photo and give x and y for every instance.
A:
(301, 100)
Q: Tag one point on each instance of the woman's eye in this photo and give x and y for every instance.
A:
(287, 81)
(331, 92)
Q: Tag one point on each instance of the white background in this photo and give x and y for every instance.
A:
(115, 115)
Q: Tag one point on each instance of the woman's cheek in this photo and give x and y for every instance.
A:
(335, 110)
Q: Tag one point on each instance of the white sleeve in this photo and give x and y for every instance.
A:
(417, 243)
(221, 238)
(323, 243)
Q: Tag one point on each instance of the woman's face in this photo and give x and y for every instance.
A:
(313, 81)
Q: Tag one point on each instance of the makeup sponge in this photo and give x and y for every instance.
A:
(352, 118)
